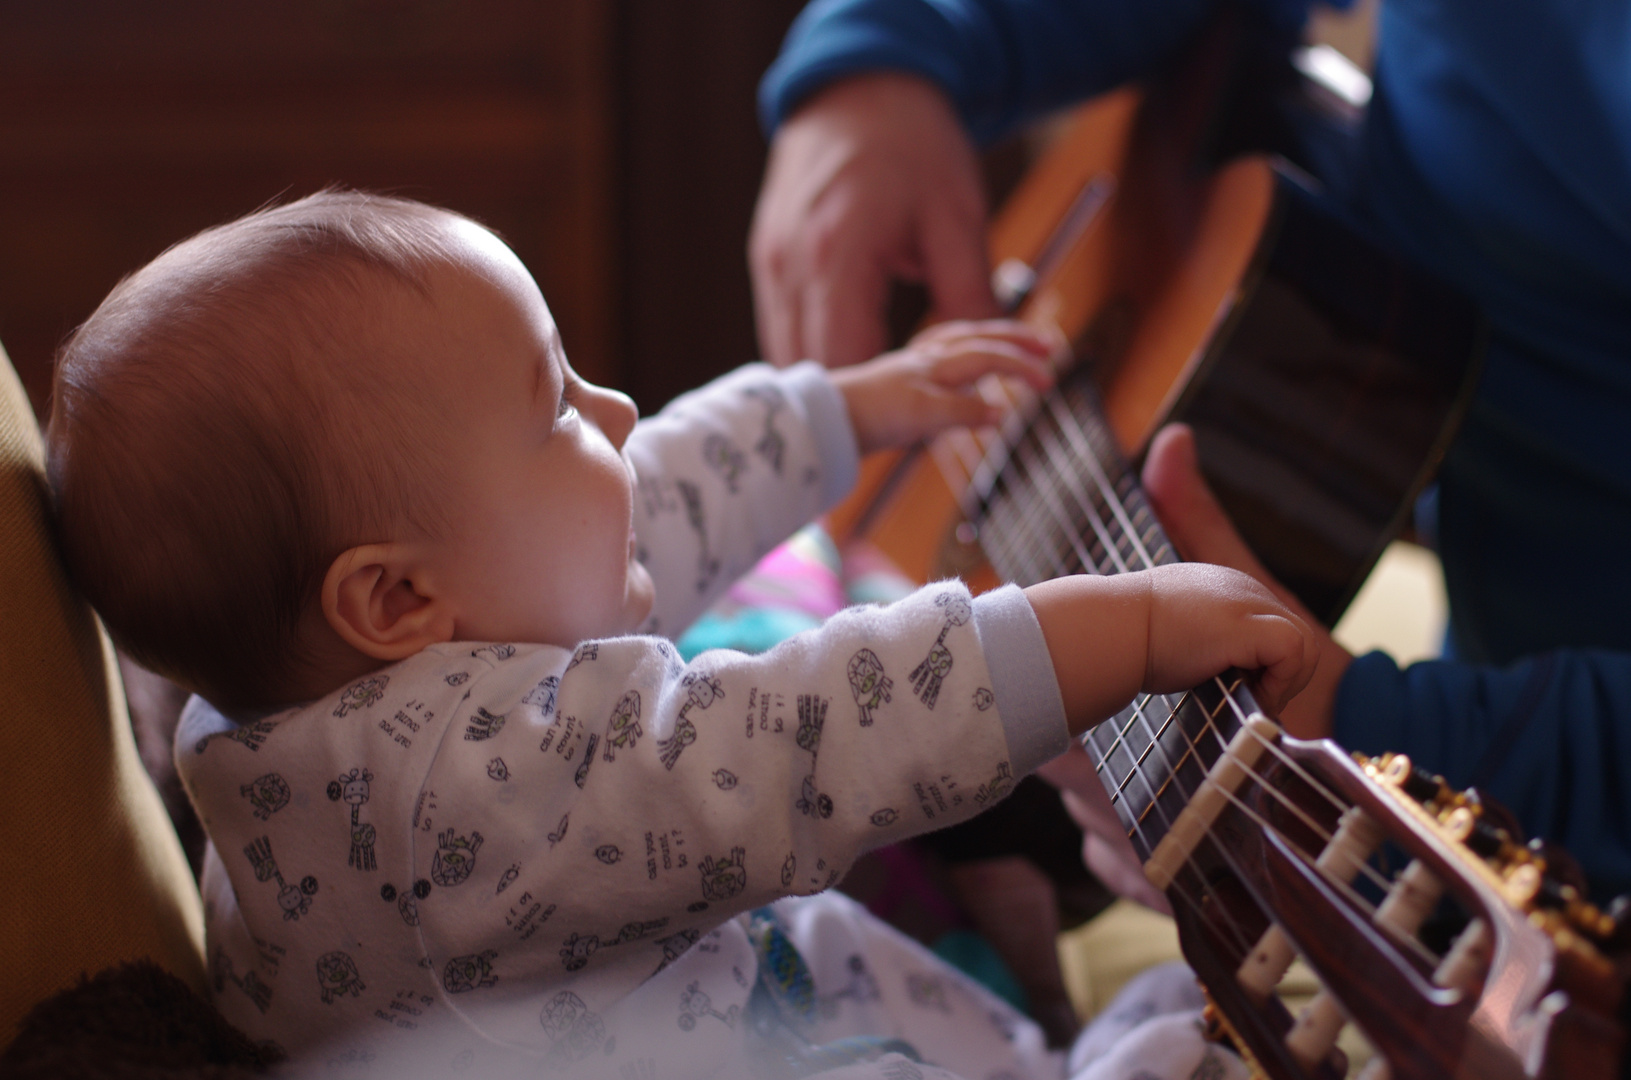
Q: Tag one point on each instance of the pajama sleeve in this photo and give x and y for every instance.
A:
(727, 472)
(634, 802)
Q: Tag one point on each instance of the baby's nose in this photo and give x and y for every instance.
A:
(616, 414)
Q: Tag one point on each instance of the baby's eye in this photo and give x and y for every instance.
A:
(569, 398)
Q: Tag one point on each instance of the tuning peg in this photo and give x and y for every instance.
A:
(1466, 824)
(1419, 784)
(1618, 938)
(1542, 876)
(1487, 828)
(1495, 814)
(1561, 867)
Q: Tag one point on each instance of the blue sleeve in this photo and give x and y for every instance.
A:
(1000, 61)
(1549, 737)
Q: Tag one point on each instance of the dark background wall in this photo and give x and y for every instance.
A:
(612, 142)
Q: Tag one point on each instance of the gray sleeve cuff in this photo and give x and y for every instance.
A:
(830, 426)
(1022, 679)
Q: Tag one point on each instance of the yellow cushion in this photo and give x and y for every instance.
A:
(1102, 956)
(94, 873)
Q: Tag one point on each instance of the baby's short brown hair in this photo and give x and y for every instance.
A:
(203, 457)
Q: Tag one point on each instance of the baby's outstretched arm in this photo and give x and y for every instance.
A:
(932, 383)
(1163, 630)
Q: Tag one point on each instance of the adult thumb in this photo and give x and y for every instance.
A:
(955, 266)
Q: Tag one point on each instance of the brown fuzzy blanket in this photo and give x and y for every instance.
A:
(132, 1022)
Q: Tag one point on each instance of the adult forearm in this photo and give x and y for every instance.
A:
(1000, 61)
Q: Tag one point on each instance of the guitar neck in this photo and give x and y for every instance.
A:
(1066, 501)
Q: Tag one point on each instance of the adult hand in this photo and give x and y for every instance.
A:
(871, 180)
(1105, 847)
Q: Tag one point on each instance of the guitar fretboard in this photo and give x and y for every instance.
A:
(1061, 499)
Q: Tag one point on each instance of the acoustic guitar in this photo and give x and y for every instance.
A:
(1323, 379)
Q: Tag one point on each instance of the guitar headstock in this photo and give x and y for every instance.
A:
(1452, 945)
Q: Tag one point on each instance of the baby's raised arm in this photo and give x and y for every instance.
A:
(1163, 630)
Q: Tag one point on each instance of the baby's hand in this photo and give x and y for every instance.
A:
(1164, 630)
(930, 385)
(1205, 619)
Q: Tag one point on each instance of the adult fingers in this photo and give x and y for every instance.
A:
(951, 237)
(773, 241)
(1201, 531)
(1121, 872)
(776, 315)
(1105, 848)
(819, 290)
(841, 314)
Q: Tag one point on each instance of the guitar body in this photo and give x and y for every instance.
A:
(1323, 378)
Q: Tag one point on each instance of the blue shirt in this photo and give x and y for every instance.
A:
(1496, 152)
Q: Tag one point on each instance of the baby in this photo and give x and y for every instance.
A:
(328, 467)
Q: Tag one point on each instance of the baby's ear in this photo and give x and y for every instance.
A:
(377, 598)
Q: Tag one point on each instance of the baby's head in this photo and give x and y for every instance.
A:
(313, 441)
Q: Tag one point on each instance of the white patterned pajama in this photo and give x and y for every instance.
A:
(510, 858)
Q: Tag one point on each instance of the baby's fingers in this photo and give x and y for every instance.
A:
(966, 361)
(940, 409)
(1013, 331)
(1286, 658)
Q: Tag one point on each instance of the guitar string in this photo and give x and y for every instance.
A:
(1089, 564)
(982, 464)
(1156, 741)
(956, 445)
(1070, 425)
(1061, 469)
(974, 460)
(1062, 465)
(1375, 876)
(1209, 899)
(1242, 940)
(969, 462)
(1354, 897)
(1019, 420)
(1087, 454)
(1228, 699)
(1072, 534)
(1041, 571)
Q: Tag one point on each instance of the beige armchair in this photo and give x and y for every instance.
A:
(94, 872)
